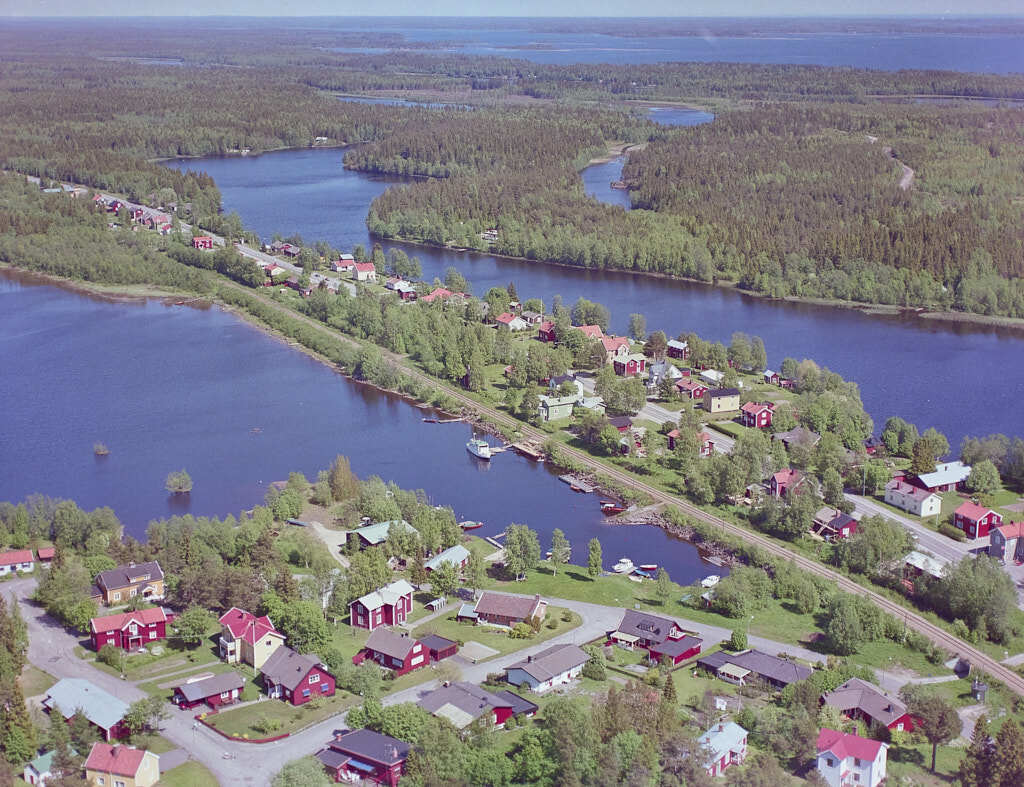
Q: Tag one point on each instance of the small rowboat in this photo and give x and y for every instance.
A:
(641, 572)
(649, 566)
(470, 525)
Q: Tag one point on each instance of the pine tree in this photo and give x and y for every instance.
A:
(594, 558)
(977, 765)
(668, 693)
(1009, 756)
(17, 735)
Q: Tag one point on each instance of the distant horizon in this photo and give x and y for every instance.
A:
(229, 15)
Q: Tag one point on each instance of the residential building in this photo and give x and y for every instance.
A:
(912, 499)
(798, 435)
(590, 331)
(463, 703)
(512, 322)
(712, 377)
(722, 400)
(502, 609)
(631, 365)
(103, 710)
(546, 331)
(947, 477)
(129, 630)
(1006, 542)
(532, 318)
(845, 760)
(202, 242)
(727, 744)
(364, 754)
(772, 378)
(386, 606)
(554, 666)
(832, 524)
(223, 689)
(398, 652)
(457, 555)
(740, 667)
(364, 271)
(247, 639)
(555, 408)
(660, 637)
(757, 415)
(121, 766)
(678, 349)
(859, 700)
(621, 422)
(785, 481)
(45, 555)
(16, 561)
(691, 388)
(662, 370)
(439, 294)
(39, 770)
(295, 678)
(975, 520)
(917, 564)
(125, 582)
(439, 647)
(615, 347)
(376, 534)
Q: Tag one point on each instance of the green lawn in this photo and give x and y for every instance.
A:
(189, 774)
(249, 692)
(154, 743)
(496, 638)
(34, 681)
(241, 722)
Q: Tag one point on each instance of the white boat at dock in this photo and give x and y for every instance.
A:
(624, 566)
(710, 580)
(479, 448)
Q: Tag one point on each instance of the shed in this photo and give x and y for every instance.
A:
(439, 647)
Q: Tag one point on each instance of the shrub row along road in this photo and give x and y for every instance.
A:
(934, 633)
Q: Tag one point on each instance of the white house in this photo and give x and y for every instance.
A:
(555, 666)
(845, 759)
(657, 372)
(511, 321)
(18, 560)
(912, 499)
(40, 769)
(364, 271)
(712, 376)
(727, 744)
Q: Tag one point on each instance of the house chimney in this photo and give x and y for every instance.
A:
(721, 728)
(529, 659)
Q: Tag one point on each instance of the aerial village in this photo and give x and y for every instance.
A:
(479, 658)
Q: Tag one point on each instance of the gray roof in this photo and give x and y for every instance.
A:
(799, 434)
(288, 668)
(123, 576)
(102, 709)
(769, 667)
(551, 662)
(716, 392)
(867, 698)
(676, 647)
(454, 555)
(946, 473)
(491, 603)
(331, 758)
(469, 702)
(371, 745)
(390, 643)
(519, 704)
(436, 642)
(646, 626)
(208, 687)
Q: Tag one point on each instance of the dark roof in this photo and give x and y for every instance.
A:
(551, 662)
(519, 704)
(435, 642)
(723, 392)
(390, 643)
(288, 668)
(370, 745)
(770, 667)
(331, 758)
(676, 647)
(123, 576)
(841, 520)
(505, 605)
(799, 434)
(868, 698)
(468, 698)
(201, 689)
(620, 421)
(646, 625)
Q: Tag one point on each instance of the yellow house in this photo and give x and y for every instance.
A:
(121, 766)
(121, 584)
(246, 638)
(722, 400)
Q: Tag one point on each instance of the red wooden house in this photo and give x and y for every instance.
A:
(705, 448)
(388, 606)
(975, 520)
(129, 630)
(440, 647)
(785, 481)
(630, 365)
(691, 388)
(364, 754)
(295, 678)
(223, 689)
(772, 378)
(202, 242)
(546, 331)
(677, 349)
(660, 637)
(757, 415)
(505, 610)
(46, 555)
(858, 699)
(398, 652)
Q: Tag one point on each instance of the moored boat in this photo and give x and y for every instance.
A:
(479, 448)
(649, 566)
(624, 566)
(710, 580)
(469, 524)
(643, 572)
(608, 507)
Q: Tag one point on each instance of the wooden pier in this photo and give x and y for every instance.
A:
(530, 450)
(576, 484)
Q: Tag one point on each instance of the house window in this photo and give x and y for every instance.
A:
(117, 597)
(118, 783)
(134, 592)
(857, 762)
(314, 678)
(99, 780)
(305, 692)
(152, 635)
(899, 727)
(856, 777)
(830, 762)
(225, 695)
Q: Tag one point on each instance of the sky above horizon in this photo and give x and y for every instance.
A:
(563, 8)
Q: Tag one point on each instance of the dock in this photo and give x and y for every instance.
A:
(530, 450)
(576, 484)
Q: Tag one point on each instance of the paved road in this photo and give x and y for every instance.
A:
(927, 539)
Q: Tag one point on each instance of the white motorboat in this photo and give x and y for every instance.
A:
(710, 580)
(624, 566)
(479, 448)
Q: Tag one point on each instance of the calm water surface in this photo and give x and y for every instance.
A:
(169, 387)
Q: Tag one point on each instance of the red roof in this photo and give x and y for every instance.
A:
(613, 343)
(365, 267)
(787, 476)
(754, 408)
(972, 511)
(593, 331)
(245, 625)
(673, 434)
(16, 556)
(845, 745)
(505, 318)
(203, 237)
(440, 292)
(144, 617)
(1012, 530)
(46, 553)
(704, 437)
(547, 326)
(118, 759)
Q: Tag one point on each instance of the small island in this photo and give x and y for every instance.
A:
(179, 482)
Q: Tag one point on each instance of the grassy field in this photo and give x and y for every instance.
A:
(496, 638)
(34, 681)
(163, 686)
(241, 722)
(189, 774)
(154, 743)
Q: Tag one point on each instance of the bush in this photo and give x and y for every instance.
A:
(952, 532)
(738, 641)
(510, 723)
(567, 616)
(267, 725)
(521, 631)
(110, 655)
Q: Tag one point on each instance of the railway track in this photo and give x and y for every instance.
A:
(936, 634)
